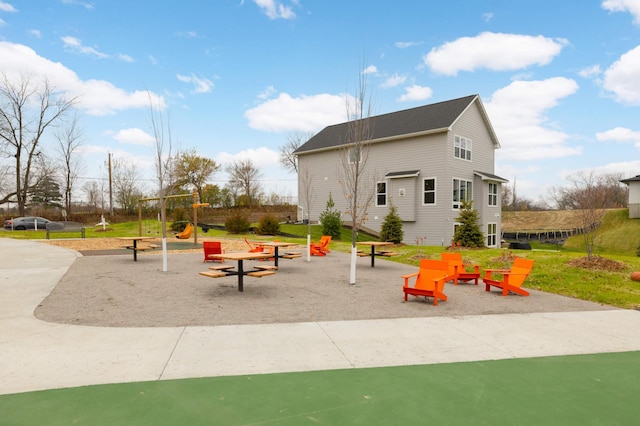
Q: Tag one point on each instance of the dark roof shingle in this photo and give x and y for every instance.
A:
(436, 116)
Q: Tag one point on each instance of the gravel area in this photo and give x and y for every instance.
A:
(114, 291)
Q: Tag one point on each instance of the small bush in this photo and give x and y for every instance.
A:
(392, 226)
(331, 220)
(268, 225)
(237, 223)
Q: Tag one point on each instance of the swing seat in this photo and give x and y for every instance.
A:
(186, 234)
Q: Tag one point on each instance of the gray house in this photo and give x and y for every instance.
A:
(423, 160)
(634, 196)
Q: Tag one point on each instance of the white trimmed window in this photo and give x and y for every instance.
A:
(492, 231)
(429, 191)
(355, 154)
(462, 190)
(381, 194)
(462, 148)
(493, 194)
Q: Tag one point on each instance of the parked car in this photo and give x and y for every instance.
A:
(28, 222)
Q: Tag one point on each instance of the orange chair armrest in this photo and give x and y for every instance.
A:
(498, 271)
(406, 278)
(410, 275)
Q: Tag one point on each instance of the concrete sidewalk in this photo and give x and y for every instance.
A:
(37, 355)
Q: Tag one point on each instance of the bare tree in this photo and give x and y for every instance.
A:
(192, 170)
(27, 110)
(69, 139)
(358, 187)
(94, 193)
(244, 176)
(590, 201)
(287, 157)
(613, 193)
(163, 141)
(126, 186)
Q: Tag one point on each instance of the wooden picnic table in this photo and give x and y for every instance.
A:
(276, 245)
(134, 246)
(374, 245)
(240, 257)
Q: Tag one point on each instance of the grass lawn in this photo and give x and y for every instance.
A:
(584, 389)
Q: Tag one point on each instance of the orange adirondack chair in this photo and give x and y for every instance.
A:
(323, 244)
(254, 249)
(186, 233)
(512, 279)
(211, 248)
(429, 280)
(457, 269)
(316, 250)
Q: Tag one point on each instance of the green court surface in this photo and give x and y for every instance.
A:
(602, 389)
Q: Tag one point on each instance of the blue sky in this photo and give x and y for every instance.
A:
(236, 78)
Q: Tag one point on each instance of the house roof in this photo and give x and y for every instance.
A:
(437, 117)
(489, 176)
(410, 173)
(633, 179)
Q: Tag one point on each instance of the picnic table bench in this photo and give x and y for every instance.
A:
(55, 227)
(137, 245)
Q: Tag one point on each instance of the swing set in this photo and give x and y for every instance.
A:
(195, 206)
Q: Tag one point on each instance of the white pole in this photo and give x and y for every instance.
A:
(308, 247)
(354, 257)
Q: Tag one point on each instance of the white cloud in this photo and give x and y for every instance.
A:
(75, 44)
(7, 7)
(96, 97)
(517, 113)
(406, 44)
(623, 78)
(134, 136)
(486, 17)
(590, 72)
(493, 51)
(306, 113)
(261, 157)
(267, 93)
(274, 9)
(124, 58)
(35, 33)
(393, 81)
(201, 85)
(187, 34)
(631, 6)
(2, 22)
(86, 5)
(626, 168)
(371, 69)
(620, 134)
(416, 93)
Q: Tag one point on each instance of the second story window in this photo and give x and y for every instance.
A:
(355, 154)
(493, 194)
(381, 194)
(462, 148)
(462, 190)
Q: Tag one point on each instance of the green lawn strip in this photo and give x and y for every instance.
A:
(582, 389)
